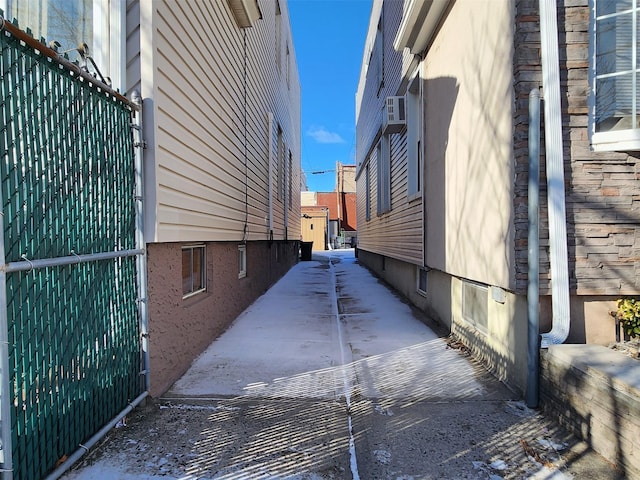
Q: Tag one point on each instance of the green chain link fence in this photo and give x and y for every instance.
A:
(68, 190)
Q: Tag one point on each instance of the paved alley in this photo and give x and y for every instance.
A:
(330, 375)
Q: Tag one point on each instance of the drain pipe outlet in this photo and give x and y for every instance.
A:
(555, 175)
(533, 286)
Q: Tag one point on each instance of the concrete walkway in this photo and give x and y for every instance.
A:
(330, 375)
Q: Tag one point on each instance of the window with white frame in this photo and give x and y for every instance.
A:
(421, 280)
(100, 24)
(278, 36)
(475, 309)
(414, 139)
(377, 55)
(242, 261)
(281, 170)
(615, 102)
(194, 271)
(290, 181)
(288, 66)
(384, 175)
(367, 190)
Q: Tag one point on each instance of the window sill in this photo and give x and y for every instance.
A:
(194, 298)
(414, 197)
(617, 141)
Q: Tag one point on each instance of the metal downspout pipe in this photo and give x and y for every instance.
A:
(533, 245)
(555, 176)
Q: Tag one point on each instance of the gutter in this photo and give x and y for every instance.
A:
(555, 176)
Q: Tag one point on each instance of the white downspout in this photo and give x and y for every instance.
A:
(555, 176)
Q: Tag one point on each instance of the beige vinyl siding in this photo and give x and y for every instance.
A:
(398, 232)
(132, 80)
(202, 184)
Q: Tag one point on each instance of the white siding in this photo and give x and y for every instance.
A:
(200, 185)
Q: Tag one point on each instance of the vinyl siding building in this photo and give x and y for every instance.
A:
(222, 117)
(221, 123)
(442, 198)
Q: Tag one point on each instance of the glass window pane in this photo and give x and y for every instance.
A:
(606, 47)
(198, 268)
(615, 65)
(607, 7)
(69, 22)
(186, 271)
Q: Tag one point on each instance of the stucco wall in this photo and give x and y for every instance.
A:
(502, 348)
(468, 144)
(180, 329)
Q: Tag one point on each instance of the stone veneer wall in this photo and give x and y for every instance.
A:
(603, 198)
(595, 393)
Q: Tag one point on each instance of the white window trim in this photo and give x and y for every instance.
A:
(109, 25)
(419, 270)
(384, 175)
(367, 183)
(242, 261)
(617, 140)
(465, 315)
(204, 269)
(415, 185)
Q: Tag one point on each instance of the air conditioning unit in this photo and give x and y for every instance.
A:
(395, 115)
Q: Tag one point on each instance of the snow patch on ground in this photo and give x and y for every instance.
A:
(382, 456)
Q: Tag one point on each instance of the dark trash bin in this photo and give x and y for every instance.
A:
(305, 251)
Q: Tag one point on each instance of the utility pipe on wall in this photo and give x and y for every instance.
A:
(555, 175)
(533, 244)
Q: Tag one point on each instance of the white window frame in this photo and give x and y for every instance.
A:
(290, 181)
(367, 189)
(109, 38)
(422, 271)
(378, 51)
(242, 261)
(281, 171)
(203, 271)
(622, 139)
(384, 175)
(414, 139)
(468, 312)
(278, 37)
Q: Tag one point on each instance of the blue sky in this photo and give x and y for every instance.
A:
(328, 37)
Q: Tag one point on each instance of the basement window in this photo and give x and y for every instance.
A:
(421, 280)
(194, 272)
(242, 261)
(475, 304)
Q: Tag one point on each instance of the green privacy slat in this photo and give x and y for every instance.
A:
(66, 167)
